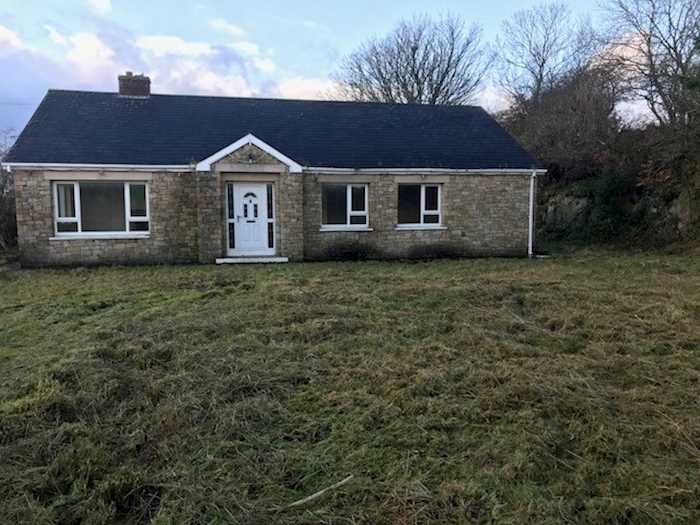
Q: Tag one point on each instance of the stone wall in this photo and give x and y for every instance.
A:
(173, 236)
(290, 216)
(483, 215)
(209, 207)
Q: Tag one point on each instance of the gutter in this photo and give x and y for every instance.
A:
(99, 167)
(322, 170)
(427, 171)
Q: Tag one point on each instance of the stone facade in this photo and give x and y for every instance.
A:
(482, 215)
(173, 224)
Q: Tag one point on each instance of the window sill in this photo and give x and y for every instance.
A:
(98, 236)
(346, 229)
(419, 227)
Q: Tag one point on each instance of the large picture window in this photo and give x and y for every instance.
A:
(344, 206)
(420, 205)
(101, 208)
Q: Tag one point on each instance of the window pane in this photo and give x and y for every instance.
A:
(64, 227)
(334, 203)
(66, 200)
(137, 196)
(102, 206)
(409, 204)
(231, 235)
(229, 200)
(269, 202)
(358, 198)
(270, 235)
(431, 219)
(431, 198)
(358, 219)
(140, 226)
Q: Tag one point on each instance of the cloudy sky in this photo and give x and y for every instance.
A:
(265, 48)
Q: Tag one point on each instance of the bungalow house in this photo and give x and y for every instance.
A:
(133, 177)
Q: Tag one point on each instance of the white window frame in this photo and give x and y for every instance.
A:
(348, 226)
(423, 212)
(77, 219)
(127, 208)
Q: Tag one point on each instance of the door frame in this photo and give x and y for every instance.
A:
(234, 252)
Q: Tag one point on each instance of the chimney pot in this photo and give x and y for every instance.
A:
(131, 85)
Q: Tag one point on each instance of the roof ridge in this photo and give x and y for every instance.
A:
(279, 99)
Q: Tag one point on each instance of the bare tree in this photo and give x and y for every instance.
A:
(574, 126)
(423, 61)
(8, 225)
(653, 42)
(539, 46)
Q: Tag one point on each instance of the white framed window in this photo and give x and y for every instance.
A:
(344, 206)
(420, 205)
(101, 208)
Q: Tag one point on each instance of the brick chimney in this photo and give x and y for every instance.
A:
(131, 85)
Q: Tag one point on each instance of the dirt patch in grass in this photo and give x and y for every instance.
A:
(454, 391)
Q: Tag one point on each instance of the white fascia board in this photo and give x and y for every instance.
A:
(419, 171)
(205, 165)
(98, 167)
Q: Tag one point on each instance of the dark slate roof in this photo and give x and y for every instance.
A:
(77, 127)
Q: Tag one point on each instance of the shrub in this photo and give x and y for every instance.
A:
(8, 221)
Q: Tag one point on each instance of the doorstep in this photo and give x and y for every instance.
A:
(252, 260)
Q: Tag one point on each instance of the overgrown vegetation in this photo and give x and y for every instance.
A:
(570, 83)
(486, 391)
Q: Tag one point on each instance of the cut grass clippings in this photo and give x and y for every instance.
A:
(486, 391)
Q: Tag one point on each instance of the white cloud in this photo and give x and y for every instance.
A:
(493, 99)
(55, 36)
(232, 30)
(246, 48)
(191, 77)
(92, 62)
(100, 6)
(261, 61)
(9, 40)
(266, 65)
(163, 45)
(306, 88)
(88, 50)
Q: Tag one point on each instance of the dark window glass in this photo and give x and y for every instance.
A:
(358, 198)
(255, 211)
(64, 227)
(431, 219)
(229, 192)
(231, 235)
(270, 235)
(102, 207)
(137, 199)
(270, 210)
(358, 219)
(66, 200)
(431, 198)
(409, 204)
(138, 226)
(334, 203)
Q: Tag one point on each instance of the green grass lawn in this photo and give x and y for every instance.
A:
(456, 391)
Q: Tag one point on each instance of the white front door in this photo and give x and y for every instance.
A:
(250, 223)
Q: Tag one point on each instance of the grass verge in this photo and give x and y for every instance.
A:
(487, 391)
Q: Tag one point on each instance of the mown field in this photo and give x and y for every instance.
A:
(564, 390)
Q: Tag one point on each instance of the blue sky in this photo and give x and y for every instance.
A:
(265, 48)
